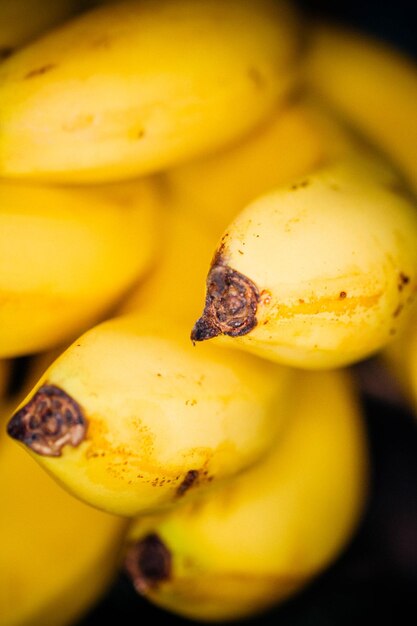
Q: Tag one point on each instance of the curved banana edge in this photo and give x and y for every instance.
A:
(130, 88)
(257, 541)
(68, 255)
(371, 83)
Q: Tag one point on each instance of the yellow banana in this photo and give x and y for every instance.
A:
(370, 82)
(23, 20)
(187, 240)
(293, 141)
(319, 273)
(132, 87)
(67, 255)
(58, 556)
(131, 418)
(267, 534)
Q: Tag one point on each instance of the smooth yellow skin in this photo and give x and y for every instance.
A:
(372, 84)
(67, 255)
(58, 556)
(334, 258)
(186, 248)
(158, 408)
(21, 21)
(268, 533)
(292, 142)
(130, 88)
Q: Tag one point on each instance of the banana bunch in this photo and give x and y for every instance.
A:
(265, 536)
(175, 172)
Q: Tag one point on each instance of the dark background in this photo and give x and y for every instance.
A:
(376, 576)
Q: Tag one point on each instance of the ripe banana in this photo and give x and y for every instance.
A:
(371, 83)
(67, 255)
(293, 141)
(183, 236)
(319, 273)
(23, 20)
(131, 418)
(58, 556)
(130, 88)
(264, 536)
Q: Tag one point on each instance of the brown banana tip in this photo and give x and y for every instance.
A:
(148, 562)
(48, 422)
(230, 306)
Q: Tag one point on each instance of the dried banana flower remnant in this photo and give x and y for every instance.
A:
(231, 304)
(48, 422)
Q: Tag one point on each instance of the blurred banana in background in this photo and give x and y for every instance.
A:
(370, 83)
(266, 535)
(67, 256)
(296, 139)
(131, 418)
(130, 88)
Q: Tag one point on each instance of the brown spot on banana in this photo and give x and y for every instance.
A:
(148, 562)
(39, 71)
(189, 480)
(230, 306)
(48, 422)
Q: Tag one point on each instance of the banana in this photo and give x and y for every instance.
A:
(131, 418)
(67, 255)
(184, 235)
(370, 82)
(293, 141)
(266, 535)
(58, 556)
(320, 273)
(24, 20)
(130, 88)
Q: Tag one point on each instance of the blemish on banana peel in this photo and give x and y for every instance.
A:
(39, 71)
(48, 422)
(5, 52)
(189, 480)
(230, 306)
(148, 562)
(403, 280)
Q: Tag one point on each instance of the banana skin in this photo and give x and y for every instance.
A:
(68, 256)
(130, 88)
(131, 418)
(371, 83)
(262, 538)
(319, 273)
